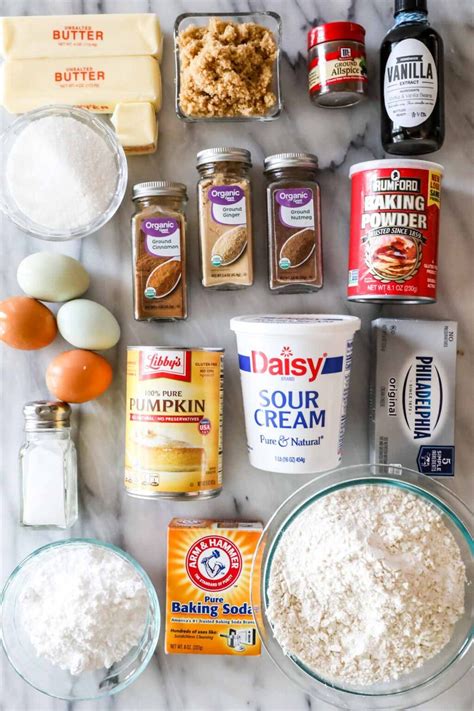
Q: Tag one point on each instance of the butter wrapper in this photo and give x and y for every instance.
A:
(413, 394)
(35, 37)
(94, 83)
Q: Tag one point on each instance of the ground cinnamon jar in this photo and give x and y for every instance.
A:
(159, 251)
(337, 68)
(225, 218)
(294, 223)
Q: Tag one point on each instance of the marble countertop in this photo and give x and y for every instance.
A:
(339, 138)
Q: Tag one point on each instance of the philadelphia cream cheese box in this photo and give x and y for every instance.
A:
(413, 394)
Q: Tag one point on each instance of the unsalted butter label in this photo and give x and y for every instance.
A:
(95, 83)
(80, 36)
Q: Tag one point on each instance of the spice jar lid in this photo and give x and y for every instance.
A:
(223, 153)
(336, 31)
(159, 187)
(290, 160)
(46, 415)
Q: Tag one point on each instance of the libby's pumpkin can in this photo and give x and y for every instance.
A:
(174, 413)
(393, 251)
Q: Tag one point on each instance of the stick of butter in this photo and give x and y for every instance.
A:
(136, 127)
(94, 83)
(80, 36)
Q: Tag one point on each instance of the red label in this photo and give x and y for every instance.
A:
(213, 563)
(393, 249)
(175, 365)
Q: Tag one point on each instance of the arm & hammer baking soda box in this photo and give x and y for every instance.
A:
(208, 609)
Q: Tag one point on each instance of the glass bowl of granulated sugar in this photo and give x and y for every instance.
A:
(64, 173)
(363, 587)
(80, 619)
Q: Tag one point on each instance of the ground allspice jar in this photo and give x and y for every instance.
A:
(225, 218)
(337, 68)
(294, 223)
(159, 251)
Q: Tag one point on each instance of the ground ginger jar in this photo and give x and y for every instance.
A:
(337, 67)
(159, 251)
(225, 218)
(294, 223)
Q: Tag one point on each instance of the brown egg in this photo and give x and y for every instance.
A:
(26, 323)
(78, 376)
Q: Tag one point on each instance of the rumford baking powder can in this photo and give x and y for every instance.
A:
(173, 437)
(393, 253)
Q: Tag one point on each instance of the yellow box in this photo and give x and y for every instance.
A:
(208, 609)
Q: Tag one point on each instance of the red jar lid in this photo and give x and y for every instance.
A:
(336, 31)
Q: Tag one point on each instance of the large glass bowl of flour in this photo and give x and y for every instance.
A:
(288, 548)
(64, 173)
(49, 678)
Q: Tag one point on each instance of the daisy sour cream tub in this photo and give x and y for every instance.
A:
(295, 373)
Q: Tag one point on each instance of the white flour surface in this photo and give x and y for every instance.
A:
(366, 585)
(84, 608)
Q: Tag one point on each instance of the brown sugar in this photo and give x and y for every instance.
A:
(226, 69)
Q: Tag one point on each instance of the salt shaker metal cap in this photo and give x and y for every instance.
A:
(46, 415)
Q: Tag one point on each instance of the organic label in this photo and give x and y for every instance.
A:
(228, 204)
(410, 83)
(162, 236)
(296, 207)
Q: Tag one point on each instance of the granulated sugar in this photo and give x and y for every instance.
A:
(61, 173)
(84, 608)
(366, 585)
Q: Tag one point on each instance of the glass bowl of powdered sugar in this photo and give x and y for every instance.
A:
(363, 587)
(64, 173)
(80, 619)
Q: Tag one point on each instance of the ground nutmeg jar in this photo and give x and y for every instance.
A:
(159, 251)
(294, 223)
(337, 68)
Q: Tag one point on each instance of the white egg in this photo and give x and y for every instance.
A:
(52, 277)
(86, 324)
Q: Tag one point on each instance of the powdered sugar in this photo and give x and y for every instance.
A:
(365, 585)
(61, 173)
(84, 608)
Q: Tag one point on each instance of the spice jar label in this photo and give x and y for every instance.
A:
(228, 204)
(225, 234)
(342, 65)
(159, 287)
(296, 207)
(295, 247)
(162, 236)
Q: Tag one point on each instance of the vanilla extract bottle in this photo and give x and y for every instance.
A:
(412, 82)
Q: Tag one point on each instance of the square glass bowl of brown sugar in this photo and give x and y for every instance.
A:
(228, 66)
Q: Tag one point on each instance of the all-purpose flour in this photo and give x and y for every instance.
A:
(84, 608)
(366, 584)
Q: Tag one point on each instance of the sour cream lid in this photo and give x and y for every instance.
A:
(297, 324)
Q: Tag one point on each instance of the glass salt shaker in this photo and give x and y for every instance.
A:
(48, 466)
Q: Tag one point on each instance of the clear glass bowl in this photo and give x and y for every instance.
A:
(99, 126)
(270, 20)
(52, 680)
(439, 673)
